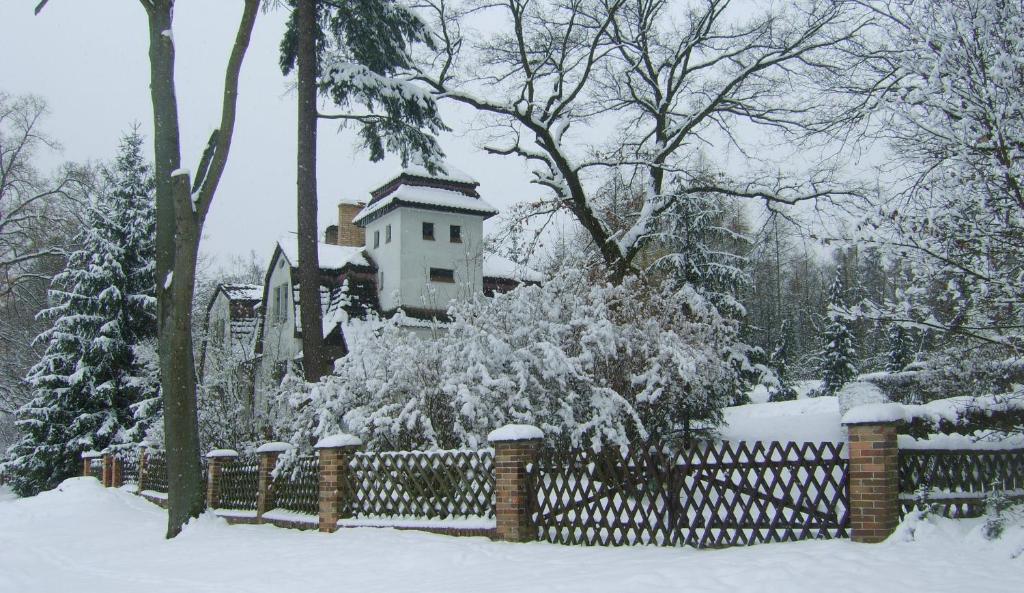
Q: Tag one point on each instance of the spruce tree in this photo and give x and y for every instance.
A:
(900, 349)
(94, 370)
(838, 354)
(778, 361)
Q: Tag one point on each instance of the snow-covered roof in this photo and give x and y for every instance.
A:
(496, 266)
(430, 197)
(243, 292)
(332, 257)
(451, 173)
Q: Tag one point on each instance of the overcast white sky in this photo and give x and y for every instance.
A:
(88, 59)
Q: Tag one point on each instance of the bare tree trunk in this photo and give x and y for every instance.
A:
(313, 357)
(180, 213)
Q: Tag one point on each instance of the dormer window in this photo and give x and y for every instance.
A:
(442, 275)
(455, 234)
(428, 231)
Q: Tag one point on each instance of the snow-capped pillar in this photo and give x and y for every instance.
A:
(516, 446)
(87, 457)
(268, 454)
(107, 473)
(335, 452)
(116, 471)
(215, 461)
(874, 471)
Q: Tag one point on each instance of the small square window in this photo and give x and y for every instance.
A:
(455, 233)
(428, 231)
(442, 275)
(387, 234)
(376, 239)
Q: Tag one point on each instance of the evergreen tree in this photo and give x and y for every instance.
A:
(838, 354)
(95, 371)
(900, 349)
(783, 390)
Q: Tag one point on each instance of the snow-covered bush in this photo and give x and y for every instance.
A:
(590, 365)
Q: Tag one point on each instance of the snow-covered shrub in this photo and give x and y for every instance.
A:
(590, 365)
(997, 505)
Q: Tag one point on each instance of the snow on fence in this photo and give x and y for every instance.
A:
(239, 484)
(712, 494)
(155, 473)
(422, 484)
(129, 467)
(96, 468)
(297, 489)
(955, 482)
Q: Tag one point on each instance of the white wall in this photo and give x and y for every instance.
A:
(279, 341)
(404, 264)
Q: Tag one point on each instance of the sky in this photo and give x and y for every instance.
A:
(88, 59)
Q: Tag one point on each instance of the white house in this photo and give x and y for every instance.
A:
(415, 245)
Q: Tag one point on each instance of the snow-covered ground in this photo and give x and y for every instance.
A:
(84, 538)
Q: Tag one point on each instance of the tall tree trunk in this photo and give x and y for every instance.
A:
(180, 212)
(314, 360)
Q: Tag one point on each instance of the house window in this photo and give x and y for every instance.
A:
(455, 233)
(281, 302)
(428, 231)
(376, 239)
(387, 234)
(442, 275)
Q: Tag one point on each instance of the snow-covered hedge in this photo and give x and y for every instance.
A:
(588, 365)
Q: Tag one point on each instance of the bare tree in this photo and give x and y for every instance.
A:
(181, 208)
(668, 77)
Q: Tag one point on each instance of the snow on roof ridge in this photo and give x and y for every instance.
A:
(429, 197)
(332, 257)
(451, 173)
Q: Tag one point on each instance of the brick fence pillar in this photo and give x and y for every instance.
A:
(87, 457)
(107, 473)
(215, 463)
(335, 452)
(515, 447)
(874, 477)
(268, 454)
(116, 471)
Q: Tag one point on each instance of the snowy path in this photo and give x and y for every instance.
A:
(85, 538)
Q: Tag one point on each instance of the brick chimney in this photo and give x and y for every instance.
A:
(331, 235)
(349, 234)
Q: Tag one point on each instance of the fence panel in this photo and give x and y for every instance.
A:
(129, 467)
(955, 482)
(96, 468)
(156, 473)
(427, 484)
(708, 495)
(298, 488)
(239, 484)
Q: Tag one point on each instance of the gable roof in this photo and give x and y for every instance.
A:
(332, 257)
(496, 266)
(242, 292)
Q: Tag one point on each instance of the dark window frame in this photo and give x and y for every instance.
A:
(376, 239)
(443, 275)
(428, 231)
(455, 233)
(387, 234)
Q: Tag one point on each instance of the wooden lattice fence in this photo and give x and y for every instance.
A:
(156, 473)
(423, 484)
(129, 467)
(298, 488)
(239, 484)
(954, 483)
(96, 468)
(708, 495)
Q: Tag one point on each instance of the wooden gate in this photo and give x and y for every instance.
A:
(708, 495)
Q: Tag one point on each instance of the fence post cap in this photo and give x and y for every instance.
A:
(515, 432)
(274, 447)
(221, 453)
(91, 454)
(338, 441)
(888, 413)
